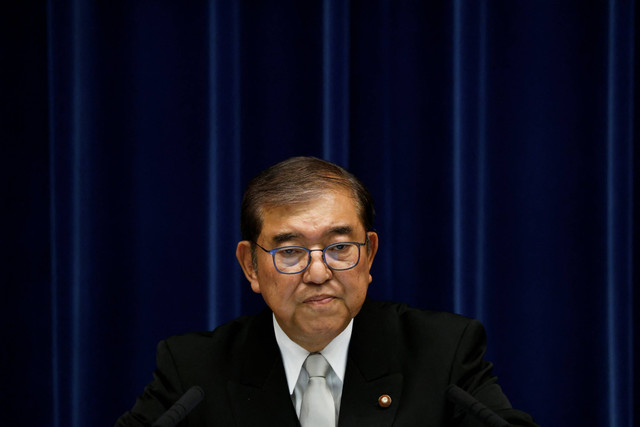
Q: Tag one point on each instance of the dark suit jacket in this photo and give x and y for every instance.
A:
(410, 355)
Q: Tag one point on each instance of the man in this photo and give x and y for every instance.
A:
(308, 249)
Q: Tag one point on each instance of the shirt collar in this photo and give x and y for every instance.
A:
(293, 355)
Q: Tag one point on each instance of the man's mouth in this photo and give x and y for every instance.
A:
(319, 299)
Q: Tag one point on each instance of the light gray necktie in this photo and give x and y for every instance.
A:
(317, 409)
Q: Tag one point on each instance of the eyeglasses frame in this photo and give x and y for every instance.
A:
(273, 255)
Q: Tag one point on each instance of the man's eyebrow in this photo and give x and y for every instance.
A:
(284, 237)
(341, 230)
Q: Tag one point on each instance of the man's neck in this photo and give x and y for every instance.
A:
(293, 354)
(315, 343)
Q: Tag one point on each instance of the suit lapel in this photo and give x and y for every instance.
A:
(260, 395)
(373, 370)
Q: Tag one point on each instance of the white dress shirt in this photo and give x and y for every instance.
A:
(293, 357)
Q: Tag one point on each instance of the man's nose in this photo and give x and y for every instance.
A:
(317, 272)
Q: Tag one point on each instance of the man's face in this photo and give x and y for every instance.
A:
(314, 306)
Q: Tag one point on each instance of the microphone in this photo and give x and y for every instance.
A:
(474, 407)
(181, 408)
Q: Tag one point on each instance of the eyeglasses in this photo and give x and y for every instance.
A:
(295, 259)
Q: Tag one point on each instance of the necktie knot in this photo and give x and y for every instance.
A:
(316, 365)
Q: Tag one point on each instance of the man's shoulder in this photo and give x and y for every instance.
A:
(406, 314)
(227, 338)
(400, 320)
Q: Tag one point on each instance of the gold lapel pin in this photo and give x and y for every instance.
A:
(384, 401)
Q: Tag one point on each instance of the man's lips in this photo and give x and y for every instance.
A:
(319, 299)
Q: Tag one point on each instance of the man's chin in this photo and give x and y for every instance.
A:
(326, 327)
(328, 310)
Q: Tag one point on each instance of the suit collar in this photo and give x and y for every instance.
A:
(371, 348)
(259, 354)
(373, 370)
(260, 394)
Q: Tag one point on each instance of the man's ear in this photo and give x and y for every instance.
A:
(372, 248)
(245, 258)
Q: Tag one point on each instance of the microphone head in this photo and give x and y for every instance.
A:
(181, 408)
(474, 407)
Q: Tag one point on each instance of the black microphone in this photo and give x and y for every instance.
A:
(474, 407)
(181, 408)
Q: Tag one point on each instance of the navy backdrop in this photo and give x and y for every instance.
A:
(497, 139)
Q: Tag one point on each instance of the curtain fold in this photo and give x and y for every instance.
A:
(497, 139)
(225, 161)
(468, 155)
(335, 81)
(620, 82)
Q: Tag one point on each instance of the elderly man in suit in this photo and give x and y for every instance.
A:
(321, 353)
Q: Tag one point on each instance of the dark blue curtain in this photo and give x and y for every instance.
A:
(497, 138)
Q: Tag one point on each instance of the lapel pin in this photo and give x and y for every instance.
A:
(384, 401)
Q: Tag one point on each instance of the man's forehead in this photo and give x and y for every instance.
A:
(282, 229)
(332, 213)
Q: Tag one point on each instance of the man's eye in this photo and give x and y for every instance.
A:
(340, 247)
(290, 251)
